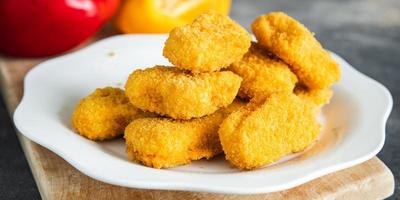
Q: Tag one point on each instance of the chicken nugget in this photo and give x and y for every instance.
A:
(179, 94)
(262, 73)
(212, 42)
(295, 44)
(104, 114)
(164, 142)
(319, 97)
(267, 129)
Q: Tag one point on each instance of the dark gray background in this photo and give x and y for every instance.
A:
(365, 32)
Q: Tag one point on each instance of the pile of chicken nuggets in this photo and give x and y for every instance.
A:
(254, 101)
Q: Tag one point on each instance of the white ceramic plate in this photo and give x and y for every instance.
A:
(353, 124)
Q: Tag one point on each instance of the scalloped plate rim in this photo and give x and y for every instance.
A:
(187, 186)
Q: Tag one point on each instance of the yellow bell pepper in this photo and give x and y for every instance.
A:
(160, 16)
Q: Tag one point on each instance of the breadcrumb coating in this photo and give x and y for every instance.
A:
(318, 97)
(104, 114)
(164, 142)
(267, 129)
(295, 44)
(178, 94)
(262, 73)
(212, 42)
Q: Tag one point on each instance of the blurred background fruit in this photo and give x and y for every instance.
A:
(48, 27)
(160, 16)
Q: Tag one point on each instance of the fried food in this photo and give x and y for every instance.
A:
(104, 114)
(193, 113)
(178, 94)
(212, 42)
(295, 44)
(262, 73)
(164, 142)
(318, 97)
(267, 129)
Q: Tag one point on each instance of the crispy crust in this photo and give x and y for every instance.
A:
(180, 95)
(262, 73)
(268, 129)
(104, 114)
(164, 142)
(318, 97)
(212, 42)
(295, 44)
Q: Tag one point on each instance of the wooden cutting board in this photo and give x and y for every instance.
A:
(56, 179)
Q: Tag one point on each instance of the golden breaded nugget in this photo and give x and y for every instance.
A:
(213, 41)
(295, 44)
(104, 114)
(164, 142)
(268, 129)
(262, 73)
(318, 97)
(179, 94)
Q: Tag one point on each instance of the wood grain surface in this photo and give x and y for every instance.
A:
(56, 179)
